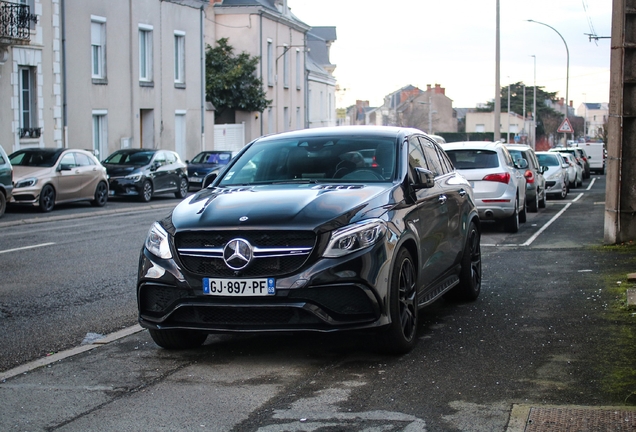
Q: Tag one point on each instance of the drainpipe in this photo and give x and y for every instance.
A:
(64, 102)
(260, 16)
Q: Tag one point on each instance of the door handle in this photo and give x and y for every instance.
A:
(442, 199)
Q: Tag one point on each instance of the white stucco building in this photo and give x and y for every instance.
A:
(104, 75)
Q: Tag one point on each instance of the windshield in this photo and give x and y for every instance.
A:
(548, 160)
(140, 158)
(35, 158)
(328, 159)
(217, 158)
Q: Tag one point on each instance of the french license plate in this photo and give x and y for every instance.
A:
(239, 287)
(195, 179)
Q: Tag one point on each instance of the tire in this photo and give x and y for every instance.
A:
(511, 223)
(101, 195)
(400, 336)
(47, 199)
(178, 339)
(564, 191)
(542, 201)
(183, 189)
(534, 205)
(469, 285)
(3, 203)
(523, 216)
(146, 191)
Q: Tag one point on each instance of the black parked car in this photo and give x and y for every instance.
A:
(301, 233)
(143, 173)
(204, 163)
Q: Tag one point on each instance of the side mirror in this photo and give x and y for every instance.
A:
(544, 169)
(64, 167)
(424, 179)
(207, 181)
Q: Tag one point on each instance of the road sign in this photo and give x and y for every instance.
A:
(566, 127)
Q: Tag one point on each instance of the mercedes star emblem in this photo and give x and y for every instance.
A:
(237, 254)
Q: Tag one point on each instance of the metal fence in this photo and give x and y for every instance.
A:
(15, 21)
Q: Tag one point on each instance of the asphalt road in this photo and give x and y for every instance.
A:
(550, 328)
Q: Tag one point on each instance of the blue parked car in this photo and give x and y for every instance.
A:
(204, 163)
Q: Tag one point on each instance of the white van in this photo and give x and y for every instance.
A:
(595, 154)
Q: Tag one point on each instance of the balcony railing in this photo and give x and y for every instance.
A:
(30, 132)
(15, 22)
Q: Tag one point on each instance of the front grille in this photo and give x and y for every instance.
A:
(243, 317)
(550, 183)
(207, 260)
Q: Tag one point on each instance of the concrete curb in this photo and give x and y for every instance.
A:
(28, 367)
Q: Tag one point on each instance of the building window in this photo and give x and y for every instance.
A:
(145, 53)
(286, 119)
(270, 120)
(98, 47)
(286, 67)
(299, 70)
(100, 141)
(179, 58)
(480, 128)
(270, 63)
(28, 97)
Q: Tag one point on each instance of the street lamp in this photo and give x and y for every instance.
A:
(567, 76)
(534, 106)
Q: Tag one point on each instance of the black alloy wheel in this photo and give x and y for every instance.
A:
(146, 191)
(178, 339)
(47, 199)
(101, 195)
(399, 337)
(469, 285)
(183, 188)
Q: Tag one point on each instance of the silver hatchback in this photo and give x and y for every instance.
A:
(497, 179)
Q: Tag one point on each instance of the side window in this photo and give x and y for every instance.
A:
(416, 156)
(83, 160)
(68, 161)
(160, 159)
(432, 157)
(508, 158)
(171, 158)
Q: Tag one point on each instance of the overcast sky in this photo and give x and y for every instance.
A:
(385, 45)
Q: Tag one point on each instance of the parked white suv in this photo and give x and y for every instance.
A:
(498, 181)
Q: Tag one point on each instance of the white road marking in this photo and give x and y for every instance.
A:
(26, 247)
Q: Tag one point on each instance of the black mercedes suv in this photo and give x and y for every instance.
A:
(327, 229)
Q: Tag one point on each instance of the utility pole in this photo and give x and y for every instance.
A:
(497, 121)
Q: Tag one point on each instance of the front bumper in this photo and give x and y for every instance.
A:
(122, 186)
(329, 295)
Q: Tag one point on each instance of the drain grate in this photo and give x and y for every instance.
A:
(580, 420)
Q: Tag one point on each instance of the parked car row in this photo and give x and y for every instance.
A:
(46, 177)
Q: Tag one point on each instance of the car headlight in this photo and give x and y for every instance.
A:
(134, 177)
(32, 181)
(355, 237)
(556, 175)
(157, 242)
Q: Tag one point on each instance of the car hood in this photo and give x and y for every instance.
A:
(24, 172)
(301, 206)
(202, 168)
(121, 170)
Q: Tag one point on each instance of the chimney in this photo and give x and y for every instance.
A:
(428, 88)
(439, 89)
